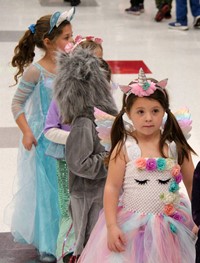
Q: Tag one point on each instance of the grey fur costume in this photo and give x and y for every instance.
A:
(80, 86)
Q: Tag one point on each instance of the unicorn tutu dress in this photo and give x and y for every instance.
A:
(154, 216)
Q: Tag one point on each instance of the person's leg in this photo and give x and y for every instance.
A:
(163, 10)
(135, 2)
(93, 216)
(181, 22)
(75, 2)
(141, 6)
(195, 7)
(134, 9)
(181, 11)
(168, 14)
(77, 211)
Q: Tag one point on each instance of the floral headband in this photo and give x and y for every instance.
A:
(57, 18)
(79, 39)
(143, 87)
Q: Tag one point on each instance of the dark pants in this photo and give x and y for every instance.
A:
(136, 2)
(160, 3)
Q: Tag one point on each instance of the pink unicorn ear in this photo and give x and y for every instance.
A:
(125, 89)
(162, 83)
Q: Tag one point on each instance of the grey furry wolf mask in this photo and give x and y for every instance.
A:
(81, 85)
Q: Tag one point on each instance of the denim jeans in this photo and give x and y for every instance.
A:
(182, 9)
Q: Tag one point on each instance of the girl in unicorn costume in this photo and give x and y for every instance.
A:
(152, 223)
(80, 86)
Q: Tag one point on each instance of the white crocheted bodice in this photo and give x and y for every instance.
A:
(143, 187)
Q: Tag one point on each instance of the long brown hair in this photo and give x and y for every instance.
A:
(24, 52)
(171, 132)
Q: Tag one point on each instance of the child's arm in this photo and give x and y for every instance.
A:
(187, 169)
(196, 196)
(85, 155)
(22, 94)
(57, 135)
(116, 170)
(53, 130)
(28, 138)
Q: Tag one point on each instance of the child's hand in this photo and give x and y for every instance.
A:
(195, 230)
(116, 239)
(28, 140)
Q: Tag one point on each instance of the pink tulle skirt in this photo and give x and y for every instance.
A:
(150, 239)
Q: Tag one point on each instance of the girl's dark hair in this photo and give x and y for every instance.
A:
(24, 52)
(171, 132)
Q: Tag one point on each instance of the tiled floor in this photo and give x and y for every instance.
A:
(135, 39)
(11, 252)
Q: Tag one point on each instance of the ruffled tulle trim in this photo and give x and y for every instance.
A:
(149, 239)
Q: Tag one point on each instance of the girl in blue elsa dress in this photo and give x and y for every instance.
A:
(34, 213)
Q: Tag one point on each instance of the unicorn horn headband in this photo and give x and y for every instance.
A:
(57, 18)
(143, 87)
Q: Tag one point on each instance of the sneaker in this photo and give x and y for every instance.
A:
(196, 23)
(141, 8)
(47, 258)
(178, 26)
(135, 10)
(162, 12)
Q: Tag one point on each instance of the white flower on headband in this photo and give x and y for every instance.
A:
(57, 18)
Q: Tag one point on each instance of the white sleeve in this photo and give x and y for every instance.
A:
(57, 135)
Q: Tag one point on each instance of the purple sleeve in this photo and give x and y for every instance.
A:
(196, 196)
(53, 119)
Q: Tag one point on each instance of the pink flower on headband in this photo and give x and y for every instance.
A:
(78, 39)
(90, 37)
(98, 40)
(141, 90)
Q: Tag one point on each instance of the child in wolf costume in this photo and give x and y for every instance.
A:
(80, 86)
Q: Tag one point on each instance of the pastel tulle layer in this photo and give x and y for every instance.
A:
(149, 240)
